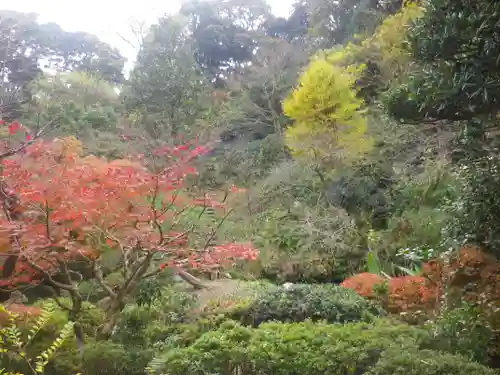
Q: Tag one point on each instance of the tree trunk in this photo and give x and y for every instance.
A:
(190, 279)
(112, 315)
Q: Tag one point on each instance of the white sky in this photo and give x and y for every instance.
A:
(109, 18)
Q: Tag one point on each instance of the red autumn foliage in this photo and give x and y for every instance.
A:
(410, 293)
(62, 206)
(404, 294)
(363, 283)
(14, 127)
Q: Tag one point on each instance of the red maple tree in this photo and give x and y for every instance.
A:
(59, 206)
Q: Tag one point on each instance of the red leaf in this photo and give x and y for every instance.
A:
(14, 127)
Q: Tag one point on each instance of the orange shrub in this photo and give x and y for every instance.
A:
(470, 275)
(363, 283)
(404, 294)
(410, 294)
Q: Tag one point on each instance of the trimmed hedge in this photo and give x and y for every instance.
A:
(309, 348)
(308, 301)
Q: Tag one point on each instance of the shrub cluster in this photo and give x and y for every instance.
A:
(308, 301)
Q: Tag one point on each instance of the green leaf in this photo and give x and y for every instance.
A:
(373, 263)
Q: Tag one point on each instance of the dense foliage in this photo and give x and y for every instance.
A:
(308, 348)
(302, 302)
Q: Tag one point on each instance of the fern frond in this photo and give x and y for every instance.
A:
(10, 335)
(45, 316)
(43, 359)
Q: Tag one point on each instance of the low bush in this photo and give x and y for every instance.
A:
(185, 334)
(309, 348)
(418, 362)
(105, 358)
(143, 325)
(303, 301)
(308, 244)
(462, 330)
(308, 266)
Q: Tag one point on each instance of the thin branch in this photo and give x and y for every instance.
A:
(153, 209)
(16, 150)
(179, 236)
(48, 276)
(214, 231)
(47, 221)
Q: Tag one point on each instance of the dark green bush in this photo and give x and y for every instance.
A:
(309, 348)
(303, 301)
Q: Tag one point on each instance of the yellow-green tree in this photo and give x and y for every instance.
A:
(328, 106)
(329, 123)
(384, 54)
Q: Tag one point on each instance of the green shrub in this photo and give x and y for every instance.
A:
(462, 331)
(418, 362)
(306, 244)
(309, 348)
(110, 358)
(304, 267)
(303, 348)
(185, 334)
(302, 301)
(147, 324)
(104, 358)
